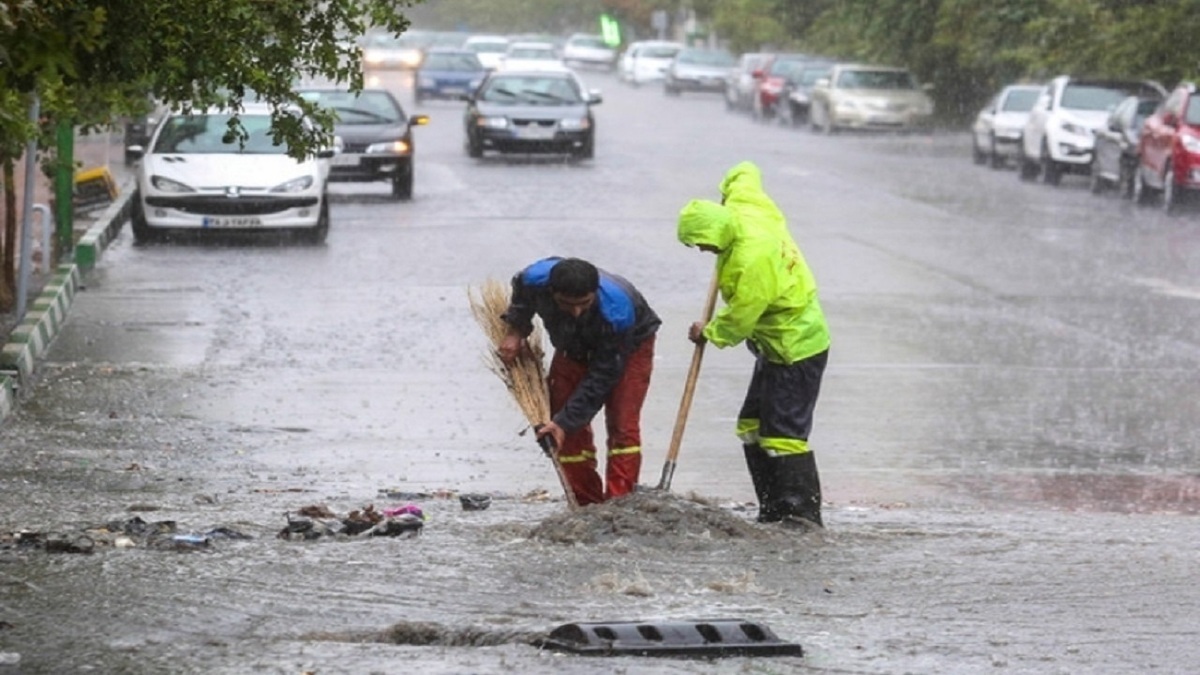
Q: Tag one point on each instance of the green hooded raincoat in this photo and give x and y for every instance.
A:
(769, 292)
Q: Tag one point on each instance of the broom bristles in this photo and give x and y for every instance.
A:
(526, 377)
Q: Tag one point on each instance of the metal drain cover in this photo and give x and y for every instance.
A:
(702, 638)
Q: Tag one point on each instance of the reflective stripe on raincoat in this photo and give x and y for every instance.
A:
(769, 291)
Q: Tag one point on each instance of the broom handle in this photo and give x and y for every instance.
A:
(664, 482)
(547, 443)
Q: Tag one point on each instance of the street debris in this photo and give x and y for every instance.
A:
(117, 534)
(317, 521)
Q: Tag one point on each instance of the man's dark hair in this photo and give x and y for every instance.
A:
(574, 277)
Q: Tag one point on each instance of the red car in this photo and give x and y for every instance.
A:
(774, 73)
(1169, 150)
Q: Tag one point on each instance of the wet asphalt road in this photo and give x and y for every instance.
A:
(1006, 433)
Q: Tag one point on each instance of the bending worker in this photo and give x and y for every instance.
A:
(603, 334)
(771, 303)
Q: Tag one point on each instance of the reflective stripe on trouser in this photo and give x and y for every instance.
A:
(623, 419)
(777, 413)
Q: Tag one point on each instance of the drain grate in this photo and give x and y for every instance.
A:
(704, 638)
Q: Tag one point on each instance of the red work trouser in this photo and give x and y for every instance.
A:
(623, 417)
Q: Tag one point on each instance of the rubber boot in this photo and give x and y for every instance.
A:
(759, 464)
(798, 488)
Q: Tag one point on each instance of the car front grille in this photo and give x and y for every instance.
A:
(523, 124)
(225, 206)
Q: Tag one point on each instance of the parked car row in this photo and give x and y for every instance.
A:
(1129, 135)
(826, 95)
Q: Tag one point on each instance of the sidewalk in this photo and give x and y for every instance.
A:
(51, 289)
(92, 151)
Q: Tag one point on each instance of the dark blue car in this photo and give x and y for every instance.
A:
(448, 74)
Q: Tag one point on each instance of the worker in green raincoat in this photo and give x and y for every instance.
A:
(770, 303)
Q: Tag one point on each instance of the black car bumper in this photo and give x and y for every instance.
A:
(506, 140)
(356, 168)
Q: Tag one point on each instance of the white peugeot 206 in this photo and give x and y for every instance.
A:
(190, 178)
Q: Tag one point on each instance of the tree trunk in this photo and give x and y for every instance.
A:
(8, 277)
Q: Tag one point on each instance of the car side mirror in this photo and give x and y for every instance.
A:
(418, 120)
(326, 153)
(594, 97)
(135, 151)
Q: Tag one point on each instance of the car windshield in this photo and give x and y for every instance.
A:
(488, 47)
(1020, 100)
(809, 76)
(368, 107)
(1193, 110)
(876, 79)
(451, 61)
(657, 52)
(1094, 96)
(533, 53)
(593, 42)
(706, 57)
(530, 89)
(206, 135)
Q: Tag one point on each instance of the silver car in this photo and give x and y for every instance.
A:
(856, 96)
(996, 132)
(695, 69)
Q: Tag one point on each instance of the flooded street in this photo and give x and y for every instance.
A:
(1006, 430)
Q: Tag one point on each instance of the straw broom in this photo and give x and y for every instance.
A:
(526, 377)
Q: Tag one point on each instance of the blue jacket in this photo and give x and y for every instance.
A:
(602, 338)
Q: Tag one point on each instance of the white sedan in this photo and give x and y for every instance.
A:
(190, 179)
(997, 128)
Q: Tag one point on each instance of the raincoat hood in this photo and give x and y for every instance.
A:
(702, 221)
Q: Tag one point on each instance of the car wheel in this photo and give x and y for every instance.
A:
(1027, 169)
(1141, 192)
(320, 231)
(588, 151)
(402, 182)
(1125, 182)
(474, 147)
(977, 154)
(1051, 171)
(1170, 191)
(142, 232)
(995, 160)
(1095, 180)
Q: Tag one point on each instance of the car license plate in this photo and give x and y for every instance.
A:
(536, 132)
(454, 91)
(346, 159)
(230, 221)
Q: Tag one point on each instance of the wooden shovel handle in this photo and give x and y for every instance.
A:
(693, 373)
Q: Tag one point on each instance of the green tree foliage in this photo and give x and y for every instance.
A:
(92, 60)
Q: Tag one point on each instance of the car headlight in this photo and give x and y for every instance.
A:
(1190, 143)
(1077, 129)
(295, 185)
(574, 124)
(168, 185)
(398, 147)
(373, 58)
(493, 122)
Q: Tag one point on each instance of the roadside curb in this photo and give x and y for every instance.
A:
(48, 312)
